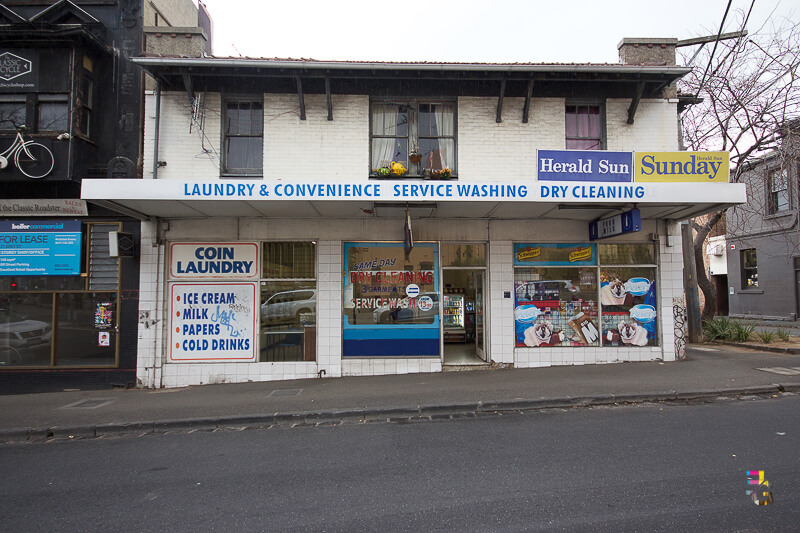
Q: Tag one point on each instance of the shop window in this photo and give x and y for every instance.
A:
(26, 329)
(243, 135)
(778, 198)
(391, 300)
(464, 255)
(12, 112)
(63, 321)
(749, 269)
(584, 126)
(628, 303)
(556, 307)
(585, 295)
(288, 302)
(86, 332)
(627, 254)
(421, 136)
(52, 111)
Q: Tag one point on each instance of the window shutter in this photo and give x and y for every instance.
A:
(103, 270)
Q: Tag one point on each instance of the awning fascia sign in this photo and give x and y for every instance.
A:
(413, 191)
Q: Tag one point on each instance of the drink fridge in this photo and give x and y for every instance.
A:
(453, 315)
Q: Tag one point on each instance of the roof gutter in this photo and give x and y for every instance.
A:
(439, 67)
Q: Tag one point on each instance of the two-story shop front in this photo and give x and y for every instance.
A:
(307, 219)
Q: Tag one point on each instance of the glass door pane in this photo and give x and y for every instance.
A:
(479, 333)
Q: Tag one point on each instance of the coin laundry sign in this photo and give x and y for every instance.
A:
(214, 260)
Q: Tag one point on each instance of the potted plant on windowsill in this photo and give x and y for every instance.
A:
(414, 156)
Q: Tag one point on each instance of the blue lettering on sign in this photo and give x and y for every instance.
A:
(244, 190)
(592, 191)
(584, 165)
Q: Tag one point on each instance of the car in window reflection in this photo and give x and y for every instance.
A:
(560, 289)
(18, 334)
(290, 307)
(388, 314)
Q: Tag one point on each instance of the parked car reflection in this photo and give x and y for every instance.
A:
(20, 336)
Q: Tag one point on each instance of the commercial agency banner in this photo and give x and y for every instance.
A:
(40, 248)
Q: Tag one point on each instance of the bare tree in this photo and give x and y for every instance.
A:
(749, 89)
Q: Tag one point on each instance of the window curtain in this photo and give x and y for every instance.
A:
(384, 122)
(444, 116)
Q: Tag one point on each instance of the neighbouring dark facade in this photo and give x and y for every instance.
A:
(763, 236)
(66, 80)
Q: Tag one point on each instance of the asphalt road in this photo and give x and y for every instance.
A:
(635, 468)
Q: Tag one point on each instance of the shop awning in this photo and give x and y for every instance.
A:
(520, 200)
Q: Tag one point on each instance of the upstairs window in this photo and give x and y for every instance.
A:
(52, 112)
(243, 135)
(584, 127)
(419, 135)
(778, 191)
(12, 112)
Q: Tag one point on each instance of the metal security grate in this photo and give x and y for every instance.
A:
(103, 270)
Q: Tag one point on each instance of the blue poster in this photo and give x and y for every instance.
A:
(40, 248)
(584, 165)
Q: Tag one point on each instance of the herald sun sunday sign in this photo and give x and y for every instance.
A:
(681, 167)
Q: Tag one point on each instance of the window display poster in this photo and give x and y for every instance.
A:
(628, 299)
(104, 338)
(561, 254)
(103, 315)
(390, 302)
(556, 307)
(212, 322)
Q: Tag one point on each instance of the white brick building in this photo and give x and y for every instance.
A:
(291, 192)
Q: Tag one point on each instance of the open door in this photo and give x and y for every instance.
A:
(479, 314)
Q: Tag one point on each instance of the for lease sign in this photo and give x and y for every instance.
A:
(40, 248)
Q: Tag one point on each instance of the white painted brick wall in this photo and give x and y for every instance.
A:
(506, 151)
(311, 149)
(654, 129)
(189, 151)
(322, 150)
(316, 148)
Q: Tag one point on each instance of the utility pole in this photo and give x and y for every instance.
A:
(693, 323)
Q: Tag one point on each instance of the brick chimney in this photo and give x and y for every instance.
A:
(647, 51)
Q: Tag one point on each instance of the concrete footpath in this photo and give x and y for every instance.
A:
(708, 373)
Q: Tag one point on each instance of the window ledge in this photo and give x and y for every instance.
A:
(233, 175)
(780, 214)
(750, 291)
(412, 178)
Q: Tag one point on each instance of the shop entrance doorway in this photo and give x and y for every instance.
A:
(463, 316)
